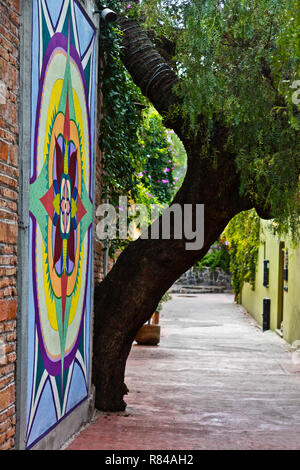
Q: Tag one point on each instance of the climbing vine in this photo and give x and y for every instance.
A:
(121, 119)
(243, 235)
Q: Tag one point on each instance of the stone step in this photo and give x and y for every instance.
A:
(199, 289)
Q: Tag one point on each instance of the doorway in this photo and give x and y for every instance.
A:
(281, 266)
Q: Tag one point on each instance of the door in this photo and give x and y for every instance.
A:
(281, 287)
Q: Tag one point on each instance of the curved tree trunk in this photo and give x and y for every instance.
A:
(146, 269)
(151, 73)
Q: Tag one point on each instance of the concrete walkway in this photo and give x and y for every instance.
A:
(214, 382)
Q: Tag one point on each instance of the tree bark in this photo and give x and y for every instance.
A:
(150, 71)
(146, 269)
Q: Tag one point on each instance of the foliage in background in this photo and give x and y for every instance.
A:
(158, 160)
(243, 235)
(217, 257)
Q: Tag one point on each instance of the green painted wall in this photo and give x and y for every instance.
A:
(286, 301)
(291, 315)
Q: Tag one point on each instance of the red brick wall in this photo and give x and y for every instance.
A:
(9, 75)
(98, 251)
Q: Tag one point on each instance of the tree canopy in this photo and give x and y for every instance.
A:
(238, 62)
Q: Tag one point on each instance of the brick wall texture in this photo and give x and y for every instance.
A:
(9, 174)
(98, 249)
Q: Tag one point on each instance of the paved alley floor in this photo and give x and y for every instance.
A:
(215, 381)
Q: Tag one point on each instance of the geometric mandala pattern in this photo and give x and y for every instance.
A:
(61, 209)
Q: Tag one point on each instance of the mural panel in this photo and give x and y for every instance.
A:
(61, 210)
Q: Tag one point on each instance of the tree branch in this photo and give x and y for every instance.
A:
(164, 46)
(150, 71)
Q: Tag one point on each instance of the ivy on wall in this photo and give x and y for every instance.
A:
(121, 118)
(243, 235)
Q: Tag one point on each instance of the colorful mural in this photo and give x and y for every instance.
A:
(61, 210)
